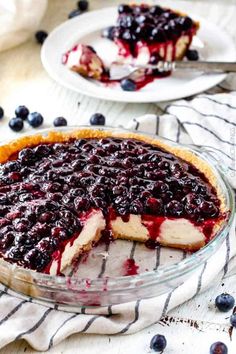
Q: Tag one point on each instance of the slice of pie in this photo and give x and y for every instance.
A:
(60, 192)
(152, 33)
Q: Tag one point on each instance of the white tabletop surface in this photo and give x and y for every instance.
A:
(190, 328)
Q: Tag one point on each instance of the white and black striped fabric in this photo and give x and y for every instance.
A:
(206, 120)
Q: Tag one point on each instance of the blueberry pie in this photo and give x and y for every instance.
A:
(61, 192)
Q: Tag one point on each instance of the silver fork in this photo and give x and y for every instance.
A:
(119, 71)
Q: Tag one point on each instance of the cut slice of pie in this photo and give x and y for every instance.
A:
(84, 60)
(60, 192)
(152, 33)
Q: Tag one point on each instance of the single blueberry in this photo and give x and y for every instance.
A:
(224, 302)
(124, 9)
(233, 319)
(83, 5)
(60, 122)
(41, 36)
(108, 32)
(192, 54)
(74, 13)
(1, 112)
(35, 119)
(218, 348)
(97, 119)
(16, 124)
(22, 112)
(158, 343)
(128, 85)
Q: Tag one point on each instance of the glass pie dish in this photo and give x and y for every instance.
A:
(98, 282)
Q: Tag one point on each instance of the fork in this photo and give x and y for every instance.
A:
(119, 71)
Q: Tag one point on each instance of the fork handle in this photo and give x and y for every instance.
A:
(206, 66)
(209, 66)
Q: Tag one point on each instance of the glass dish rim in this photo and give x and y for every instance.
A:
(163, 273)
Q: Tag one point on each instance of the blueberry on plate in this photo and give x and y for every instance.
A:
(60, 122)
(192, 54)
(83, 5)
(97, 119)
(224, 302)
(128, 85)
(22, 112)
(158, 343)
(1, 112)
(41, 36)
(74, 13)
(35, 119)
(108, 32)
(218, 348)
(233, 320)
(16, 124)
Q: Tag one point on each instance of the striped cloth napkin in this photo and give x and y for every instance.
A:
(207, 120)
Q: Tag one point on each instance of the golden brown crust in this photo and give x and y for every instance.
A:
(7, 150)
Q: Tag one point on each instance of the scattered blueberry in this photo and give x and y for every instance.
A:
(74, 13)
(83, 5)
(128, 85)
(41, 36)
(158, 343)
(1, 112)
(233, 319)
(60, 122)
(22, 112)
(108, 33)
(35, 119)
(16, 124)
(192, 54)
(97, 119)
(224, 302)
(218, 348)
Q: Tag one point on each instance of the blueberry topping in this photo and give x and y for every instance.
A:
(192, 54)
(124, 9)
(1, 113)
(22, 112)
(74, 13)
(97, 119)
(35, 119)
(16, 124)
(185, 22)
(41, 36)
(158, 35)
(128, 85)
(60, 122)
(218, 348)
(83, 5)
(158, 343)
(224, 302)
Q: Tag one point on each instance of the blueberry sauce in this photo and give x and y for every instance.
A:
(48, 191)
(131, 268)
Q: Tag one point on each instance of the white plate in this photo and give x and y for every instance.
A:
(87, 28)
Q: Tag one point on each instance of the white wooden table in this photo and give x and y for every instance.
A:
(190, 328)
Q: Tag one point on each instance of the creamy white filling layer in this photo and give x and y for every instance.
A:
(176, 231)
